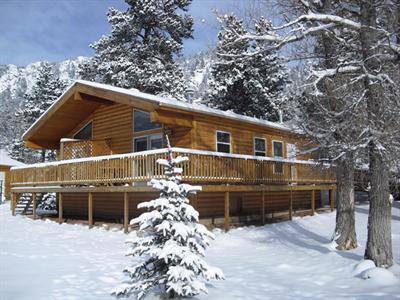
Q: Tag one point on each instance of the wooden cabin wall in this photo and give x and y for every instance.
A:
(242, 135)
(114, 122)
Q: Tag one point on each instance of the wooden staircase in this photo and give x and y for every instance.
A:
(24, 205)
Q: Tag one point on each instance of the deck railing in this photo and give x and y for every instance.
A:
(202, 167)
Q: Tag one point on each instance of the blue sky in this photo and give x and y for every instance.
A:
(55, 30)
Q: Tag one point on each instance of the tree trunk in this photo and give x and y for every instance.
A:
(379, 243)
(345, 231)
(43, 155)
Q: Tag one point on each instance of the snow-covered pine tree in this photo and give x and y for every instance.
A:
(48, 87)
(47, 204)
(170, 241)
(250, 85)
(140, 51)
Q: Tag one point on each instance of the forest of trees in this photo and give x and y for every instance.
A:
(341, 89)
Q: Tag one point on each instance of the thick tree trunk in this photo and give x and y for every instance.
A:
(379, 243)
(345, 231)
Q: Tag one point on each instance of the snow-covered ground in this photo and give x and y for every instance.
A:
(290, 260)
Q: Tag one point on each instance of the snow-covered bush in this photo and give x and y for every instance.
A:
(48, 204)
(170, 241)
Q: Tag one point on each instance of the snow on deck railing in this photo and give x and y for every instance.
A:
(180, 151)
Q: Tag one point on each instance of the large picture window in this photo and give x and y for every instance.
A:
(260, 147)
(85, 133)
(142, 122)
(223, 142)
(277, 147)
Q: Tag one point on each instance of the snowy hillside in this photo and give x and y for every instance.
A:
(18, 80)
(290, 260)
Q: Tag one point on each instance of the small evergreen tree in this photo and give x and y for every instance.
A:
(170, 241)
(252, 85)
(48, 87)
(139, 53)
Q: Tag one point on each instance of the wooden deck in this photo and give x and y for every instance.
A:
(203, 167)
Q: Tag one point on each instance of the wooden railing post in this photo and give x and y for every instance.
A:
(226, 217)
(313, 202)
(126, 212)
(90, 209)
(332, 200)
(34, 205)
(60, 208)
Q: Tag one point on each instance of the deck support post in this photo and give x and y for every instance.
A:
(332, 200)
(14, 198)
(90, 209)
(226, 216)
(34, 205)
(126, 212)
(313, 202)
(60, 208)
(291, 205)
(262, 207)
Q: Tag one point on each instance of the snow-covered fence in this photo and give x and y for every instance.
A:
(203, 167)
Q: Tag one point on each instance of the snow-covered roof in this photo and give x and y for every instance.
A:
(6, 160)
(174, 103)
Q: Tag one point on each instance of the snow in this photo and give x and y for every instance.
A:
(290, 260)
(165, 150)
(6, 160)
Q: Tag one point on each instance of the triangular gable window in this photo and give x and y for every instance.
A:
(85, 133)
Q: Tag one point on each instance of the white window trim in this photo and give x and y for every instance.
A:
(283, 156)
(148, 139)
(254, 145)
(224, 143)
(143, 131)
(80, 128)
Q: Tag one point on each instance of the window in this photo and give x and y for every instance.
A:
(259, 147)
(223, 142)
(148, 142)
(85, 133)
(142, 122)
(277, 148)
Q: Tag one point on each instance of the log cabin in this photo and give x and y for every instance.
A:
(108, 140)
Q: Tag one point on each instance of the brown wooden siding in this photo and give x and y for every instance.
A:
(110, 205)
(114, 122)
(242, 136)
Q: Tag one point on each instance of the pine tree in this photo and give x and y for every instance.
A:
(48, 87)
(140, 51)
(170, 241)
(253, 86)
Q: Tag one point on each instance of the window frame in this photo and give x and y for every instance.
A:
(148, 140)
(254, 146)
(224, 143)
(143, 131)
(273, 155)
(81, 128)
